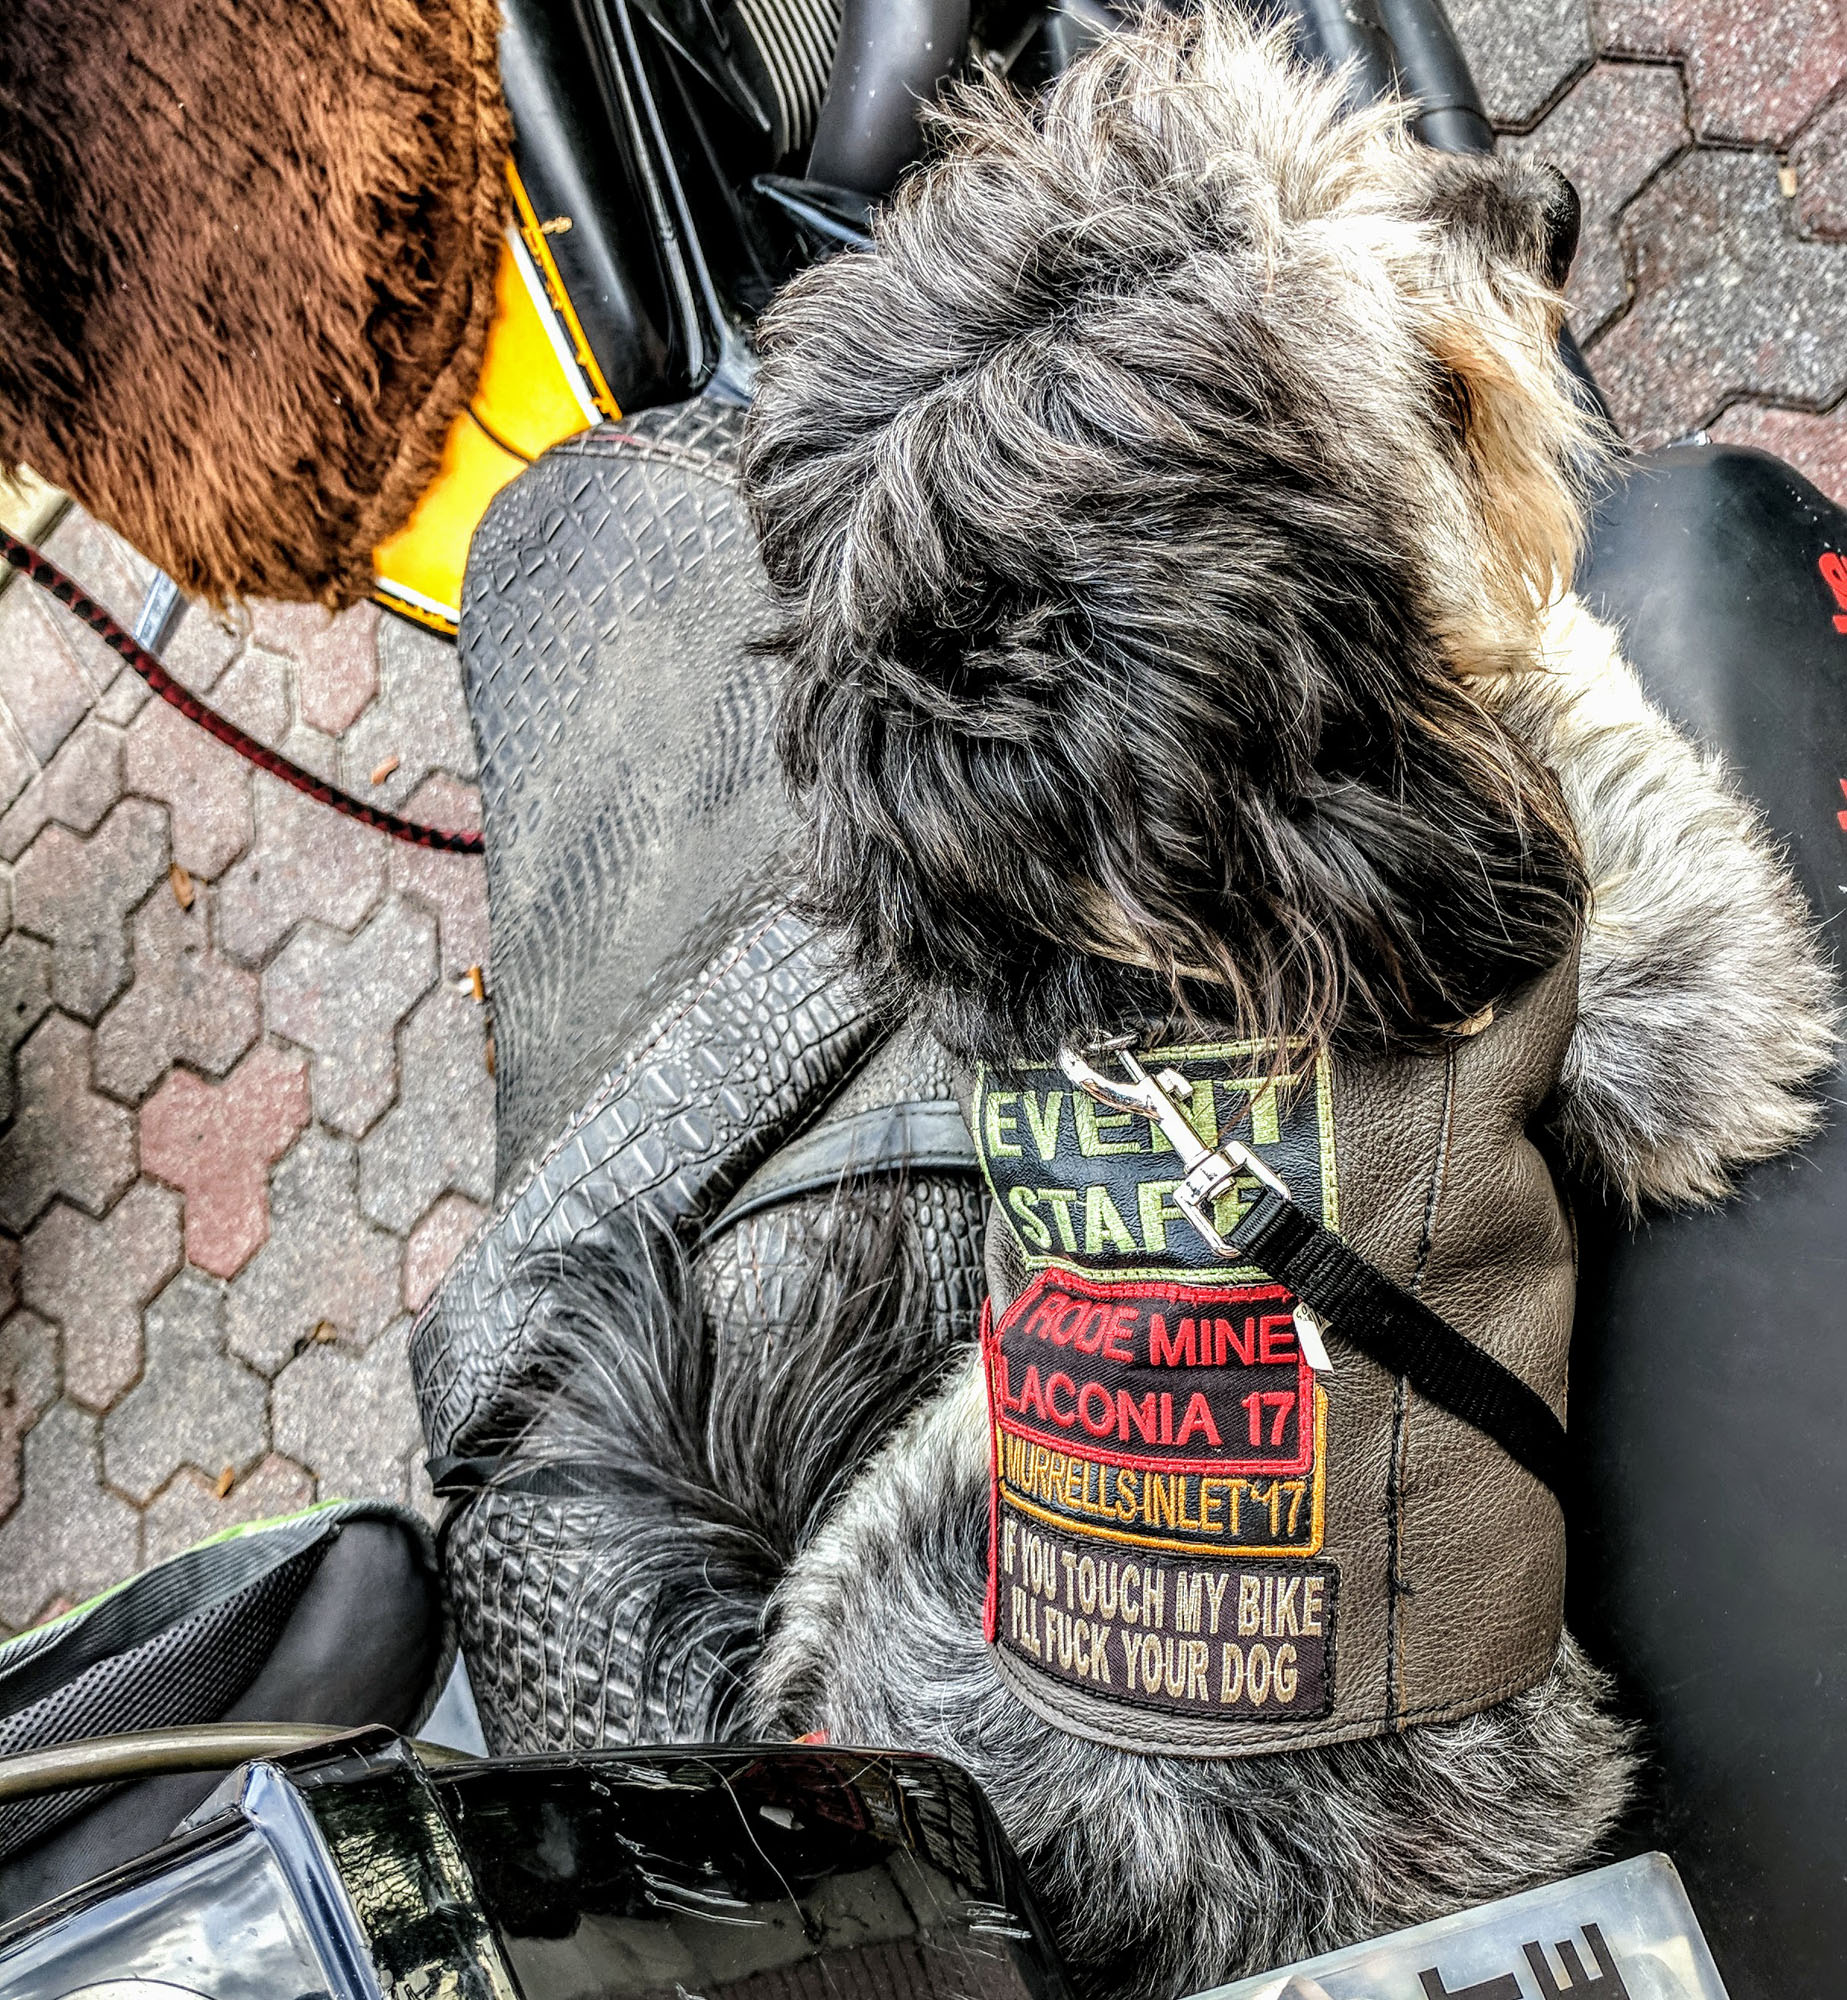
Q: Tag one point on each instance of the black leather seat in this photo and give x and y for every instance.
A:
(675, 1043)
(1709, 1368)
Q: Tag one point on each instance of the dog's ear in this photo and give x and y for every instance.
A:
(1563, 216)
(1518, 213)
(1487, 312)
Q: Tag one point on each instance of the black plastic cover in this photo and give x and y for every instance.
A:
(347, 1627)
(1709, 1368)
(580, 150)
(748, 1874)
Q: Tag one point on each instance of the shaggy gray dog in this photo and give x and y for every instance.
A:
(1140, 510)
(1172, 519)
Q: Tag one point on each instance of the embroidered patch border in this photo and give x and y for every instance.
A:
(1111, 1211)
(1085, 1488)
(1201, 1638)
(1313, 1497)
(1107, 1315)
(1158, 1441)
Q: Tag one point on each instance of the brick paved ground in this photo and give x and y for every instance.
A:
(1708, 139)
(245, 1114)
(241, 1136)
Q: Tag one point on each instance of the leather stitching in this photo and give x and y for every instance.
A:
(1395, 1586)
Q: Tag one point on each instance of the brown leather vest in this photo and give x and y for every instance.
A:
(1200, 1545)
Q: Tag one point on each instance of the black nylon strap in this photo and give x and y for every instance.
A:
(1398, 1331)
(559, 1479)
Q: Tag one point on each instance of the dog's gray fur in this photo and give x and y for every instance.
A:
(702, 1440)
(1137, 512)
(1704, 1008)
(1163, 1875)
(1704, 1004)
(996, 581)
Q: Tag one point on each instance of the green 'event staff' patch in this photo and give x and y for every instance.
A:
(1085, 1186)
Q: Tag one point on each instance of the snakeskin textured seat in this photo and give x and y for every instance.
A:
(675, 1045)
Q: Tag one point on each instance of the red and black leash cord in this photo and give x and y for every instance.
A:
(29, 562)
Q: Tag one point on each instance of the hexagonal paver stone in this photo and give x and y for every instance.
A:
(215, 1142)
(76, 893)
(324, 1270)
(453, 885)
(113, 573)
(28, 1388)
(194, 1405)
(1522, 53)
(336, 658)
(190, 1510)
(439, 1136)
(25, 999)
(65, 1138)
(203, 644)
(75, 789)
(68, 1538)
(1754, 73)
(343, 998)
(336, 670)
(254, 693)
(1819, 162)
(17, 768)
(1729, 301)
(352, 1418)
(124, 698)
(204, 785)
(94, 1277)
(43, 688)
(286, 629)
(420, 718)
(188, 1003)
(1621, 122)
(435, 1243)
(307, 861)
(314, 751)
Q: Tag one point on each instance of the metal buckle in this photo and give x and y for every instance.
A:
(1209, 1171)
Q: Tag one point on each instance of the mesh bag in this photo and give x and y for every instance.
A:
(177, 1645)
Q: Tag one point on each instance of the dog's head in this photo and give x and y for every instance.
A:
(1141, 509)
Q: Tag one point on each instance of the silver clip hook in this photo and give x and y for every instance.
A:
(1209, 1171)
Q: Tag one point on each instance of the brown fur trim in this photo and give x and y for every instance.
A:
(247, 260)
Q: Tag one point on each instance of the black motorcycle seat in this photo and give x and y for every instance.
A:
(675, 1043)
(1709, 1368)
